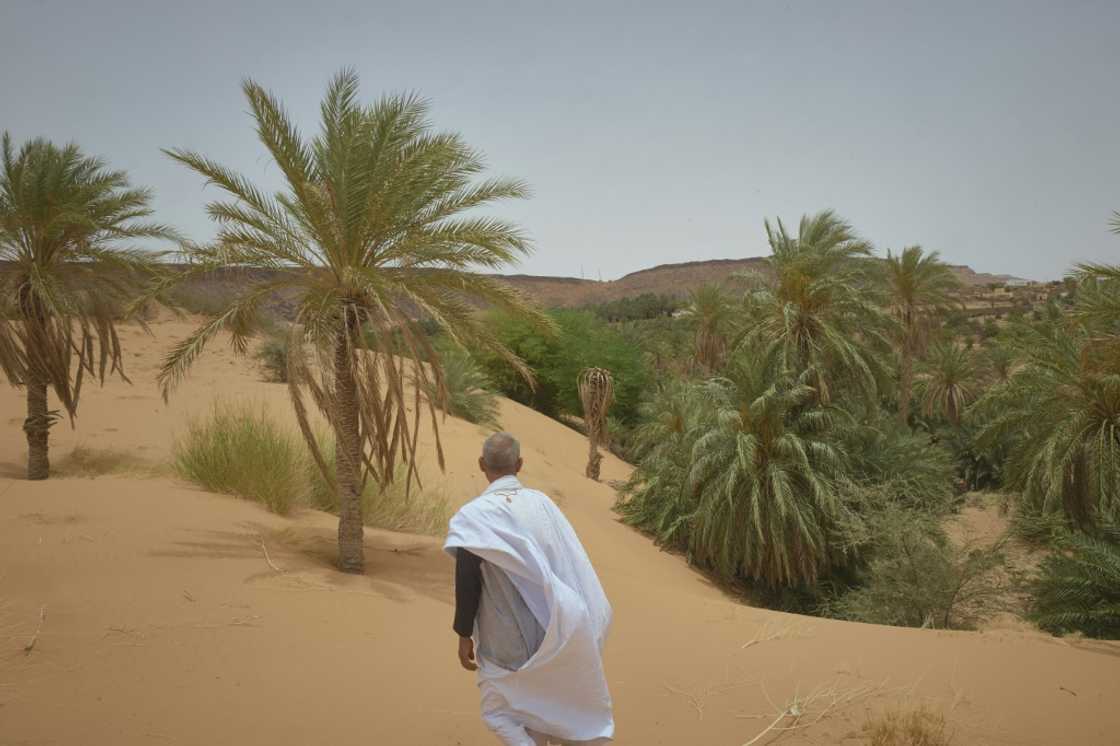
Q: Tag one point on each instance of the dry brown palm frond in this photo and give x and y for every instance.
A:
(596, 393)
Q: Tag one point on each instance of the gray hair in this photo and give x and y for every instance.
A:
(500, 452)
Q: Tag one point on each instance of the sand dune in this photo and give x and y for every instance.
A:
(165, 624)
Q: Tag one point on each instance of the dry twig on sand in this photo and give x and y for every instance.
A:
(267, 558)
(805, 712)
(697, 700)
(35, 638)
(770, 632)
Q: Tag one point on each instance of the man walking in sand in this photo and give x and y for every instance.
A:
(529, 611)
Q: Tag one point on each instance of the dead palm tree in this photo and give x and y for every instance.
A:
(369, 238)
(596, 392)
(68, 281)
(919, 285)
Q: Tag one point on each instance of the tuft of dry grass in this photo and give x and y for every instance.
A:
(83, 462)
(914, 727)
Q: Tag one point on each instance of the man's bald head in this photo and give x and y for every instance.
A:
(501, 456)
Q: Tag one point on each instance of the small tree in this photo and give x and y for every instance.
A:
(596, 393)
(68, 280)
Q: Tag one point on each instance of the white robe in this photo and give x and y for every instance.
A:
(561, 690)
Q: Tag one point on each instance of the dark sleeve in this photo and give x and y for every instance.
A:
(468, 591)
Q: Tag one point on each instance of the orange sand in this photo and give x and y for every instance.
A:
(165, 625)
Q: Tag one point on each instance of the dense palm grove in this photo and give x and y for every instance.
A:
(802, 433)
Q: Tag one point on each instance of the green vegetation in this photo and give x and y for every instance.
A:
(239, 450)
(399, 506)
(70, 279)
(1078, 589)
(469, 392)
(580, 340)
(380, 221)
(273, 358)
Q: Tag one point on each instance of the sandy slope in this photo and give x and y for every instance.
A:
(165, 625)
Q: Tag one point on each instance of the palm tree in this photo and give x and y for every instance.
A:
(596, 393)
(69, 281)
(657, 497)
(369, 237)
(919, 285)
(763, 476)
(710, 311)
(1060, 414)
(820, 308)
(947, 382)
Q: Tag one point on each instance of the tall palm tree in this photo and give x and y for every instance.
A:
(763, 476)
(947, 381)
(369, 237)
(820, 307)
(68, 279)
(1060, 409)
(596, 394)
(710, 311)
(919, 285)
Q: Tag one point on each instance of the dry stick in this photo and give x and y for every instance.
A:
(42, 618)
(267, 558)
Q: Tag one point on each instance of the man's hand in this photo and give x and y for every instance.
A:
(466, 654)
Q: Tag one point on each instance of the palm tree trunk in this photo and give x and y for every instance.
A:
(351, 552)
(905, 383)
(37, 428)
(593, 458)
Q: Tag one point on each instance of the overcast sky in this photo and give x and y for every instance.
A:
(650, 132)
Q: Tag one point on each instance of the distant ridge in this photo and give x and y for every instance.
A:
(675, 280)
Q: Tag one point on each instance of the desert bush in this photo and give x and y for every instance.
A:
(1078, 587)
(85, 462)
(239, 450)
(396, 507)
(273, 359)
(916, 577)
(914, 727)
(581, 341)
(469, 391)
(913, 470)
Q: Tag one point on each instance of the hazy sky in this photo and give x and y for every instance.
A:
(650, 132)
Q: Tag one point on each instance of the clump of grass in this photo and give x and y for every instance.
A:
(420, 511)
(273, 357)
(917, 727)
(83, 462)
(240, 450)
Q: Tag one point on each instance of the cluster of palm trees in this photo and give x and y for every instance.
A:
(378, 225)
(747, 464)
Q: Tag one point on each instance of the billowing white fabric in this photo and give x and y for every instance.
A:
(561, 690)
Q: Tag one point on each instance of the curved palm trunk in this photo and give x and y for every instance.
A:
(351, 552)
(37, 428)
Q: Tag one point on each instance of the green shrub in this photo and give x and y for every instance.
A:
(582, 341)
(917, 578)
(240, 450)
(470, 394)
(273, 357)
(397, 507)
(1078, 588)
